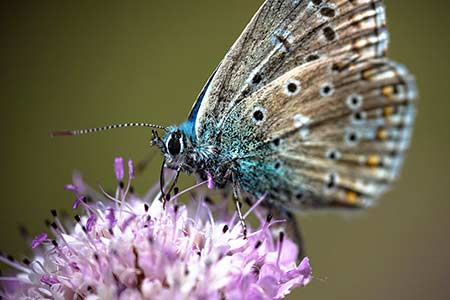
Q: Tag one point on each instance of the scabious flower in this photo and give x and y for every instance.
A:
(122, 247)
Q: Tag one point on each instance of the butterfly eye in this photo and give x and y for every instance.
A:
(174, 144)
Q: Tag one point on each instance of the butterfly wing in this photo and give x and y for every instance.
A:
(329, 133)
(282, 35)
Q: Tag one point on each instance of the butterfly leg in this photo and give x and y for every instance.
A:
(166, 196)
(238, 205)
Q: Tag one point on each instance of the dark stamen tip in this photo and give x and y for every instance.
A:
(54, 226)
(225, 228)
(269, 218)
(146, 207)
(9, 257)
(258, 244)
(281, 236)
(176, 190)
(55, 243)
(77, 218)
(26, 261)
(121, 185)
(54, 213)
(167, 197)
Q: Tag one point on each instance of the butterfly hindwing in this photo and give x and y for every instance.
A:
(281, 36)
(323, 136)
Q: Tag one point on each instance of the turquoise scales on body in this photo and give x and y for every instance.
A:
(305, 108)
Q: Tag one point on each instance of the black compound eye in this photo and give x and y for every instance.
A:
(174, 144)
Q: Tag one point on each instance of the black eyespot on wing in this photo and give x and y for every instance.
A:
(327, 12)
(257, 79)
(292, 87)
(258, 115)
(329, 33)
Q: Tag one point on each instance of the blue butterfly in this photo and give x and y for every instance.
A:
(305, 108)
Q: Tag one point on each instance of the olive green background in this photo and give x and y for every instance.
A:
(72, 65)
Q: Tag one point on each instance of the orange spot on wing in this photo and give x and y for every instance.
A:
(351, 197)
(382, 134)
(388, 91)
(388, 111)
(373, 160)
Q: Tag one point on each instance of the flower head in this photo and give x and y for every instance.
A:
(122, 247)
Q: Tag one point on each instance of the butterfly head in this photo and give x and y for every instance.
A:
(175, 146)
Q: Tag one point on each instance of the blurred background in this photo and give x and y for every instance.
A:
(77, 65)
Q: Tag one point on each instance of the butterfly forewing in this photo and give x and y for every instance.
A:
(308, 107)
(283, 35)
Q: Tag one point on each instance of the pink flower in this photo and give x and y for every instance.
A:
(126, 248)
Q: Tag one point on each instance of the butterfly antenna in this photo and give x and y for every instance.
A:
(104, 128)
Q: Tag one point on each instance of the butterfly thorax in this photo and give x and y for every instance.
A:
(182, 152)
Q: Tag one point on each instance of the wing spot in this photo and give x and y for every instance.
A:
(292, 87)
(382, 134)
(388, 111)
(329, 33)
(276, 142)
(301, 121)
(277, 165)
(299, 196)
(333, 154)
(351, 137)
(327, 89)
(312, 57)
(373, 161)
(328, 12)
(259, 115)
(388, 91)
(351, 197)
(257, 78)
(331, 181)
(354, 101)
(359, 116)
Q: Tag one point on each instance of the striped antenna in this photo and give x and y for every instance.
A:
(97, 129)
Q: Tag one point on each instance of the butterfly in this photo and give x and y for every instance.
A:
(305, 109)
